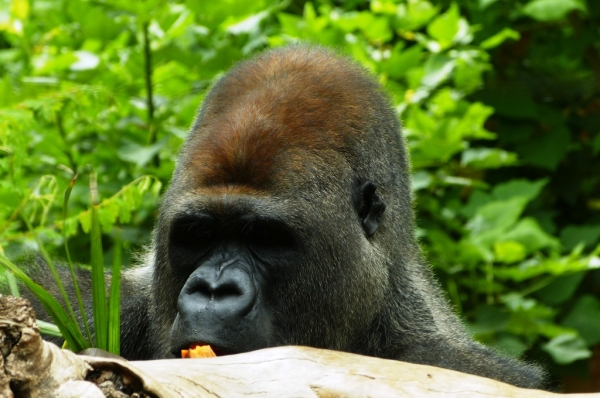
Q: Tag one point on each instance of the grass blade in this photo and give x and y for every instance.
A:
(98, 281)
(49, 329)
(114, 301)
(67, 326)
(70, 262)
(12, 285)
(12, 281)
(52, 268)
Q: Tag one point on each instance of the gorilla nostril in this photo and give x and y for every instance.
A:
(204, 289)
(218, 291)
(227, 290)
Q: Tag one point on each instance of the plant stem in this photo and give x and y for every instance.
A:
(63, 134)
(149, 93)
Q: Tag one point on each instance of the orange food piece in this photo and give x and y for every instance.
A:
(198, 351)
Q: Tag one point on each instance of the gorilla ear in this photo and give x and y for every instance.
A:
(370, 207)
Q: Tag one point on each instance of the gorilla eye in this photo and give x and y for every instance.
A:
(269, 235)
(198, 234)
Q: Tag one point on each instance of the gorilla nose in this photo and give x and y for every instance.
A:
(219, 290)
(227, 292)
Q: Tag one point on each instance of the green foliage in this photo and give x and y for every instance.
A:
(499, 101)
(106, 310)
(552, 10)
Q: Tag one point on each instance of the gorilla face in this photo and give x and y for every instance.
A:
(231, 260)
(246, 272)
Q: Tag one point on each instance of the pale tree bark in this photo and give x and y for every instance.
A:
(31, 367)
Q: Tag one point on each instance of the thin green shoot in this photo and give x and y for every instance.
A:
(97, 258)
(70, 262)
(12, 285)
(114, 301)
(12, 281)
(49, 329)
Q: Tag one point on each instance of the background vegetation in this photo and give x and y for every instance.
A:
(500, 100)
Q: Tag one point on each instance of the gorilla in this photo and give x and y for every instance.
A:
(289, 221)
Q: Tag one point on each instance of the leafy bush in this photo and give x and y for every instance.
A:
(499, 101)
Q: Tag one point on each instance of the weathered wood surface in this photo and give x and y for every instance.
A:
(31, 367)
(310, 372)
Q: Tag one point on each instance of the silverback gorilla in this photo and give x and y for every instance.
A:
(289, 221)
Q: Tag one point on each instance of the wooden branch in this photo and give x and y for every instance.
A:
(31, 367)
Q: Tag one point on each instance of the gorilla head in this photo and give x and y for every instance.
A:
(289, 220)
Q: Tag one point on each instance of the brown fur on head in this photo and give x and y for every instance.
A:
(271, 107)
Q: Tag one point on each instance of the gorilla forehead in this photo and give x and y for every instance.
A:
(276, 112)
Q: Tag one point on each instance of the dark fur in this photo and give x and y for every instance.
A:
(293, 132)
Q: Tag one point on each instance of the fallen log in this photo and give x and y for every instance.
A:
(31, 367)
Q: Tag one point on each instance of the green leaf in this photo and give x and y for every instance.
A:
(421, 180)
(98, 283)
(114, 302)
(291, 24)
(414, 14)
(529, 234)
(383, 7)
(487, 158)
(567, 348)
(401, 61)
(213, 14)
(378, 30)
(12, 285)
(552, 10)
(483, 4)
(509, 252)
(550, 148)
(468, 73)
(561, 289)
(499, 38)
(139, 154)
(55, 64)
(48, 328)
(437, 69)
(497, 215)
(471, 123)
(585, 318)
(445, 27)
(94, 21)
(476, 200)
(70, 262)
(519, 188)
(573, 235)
